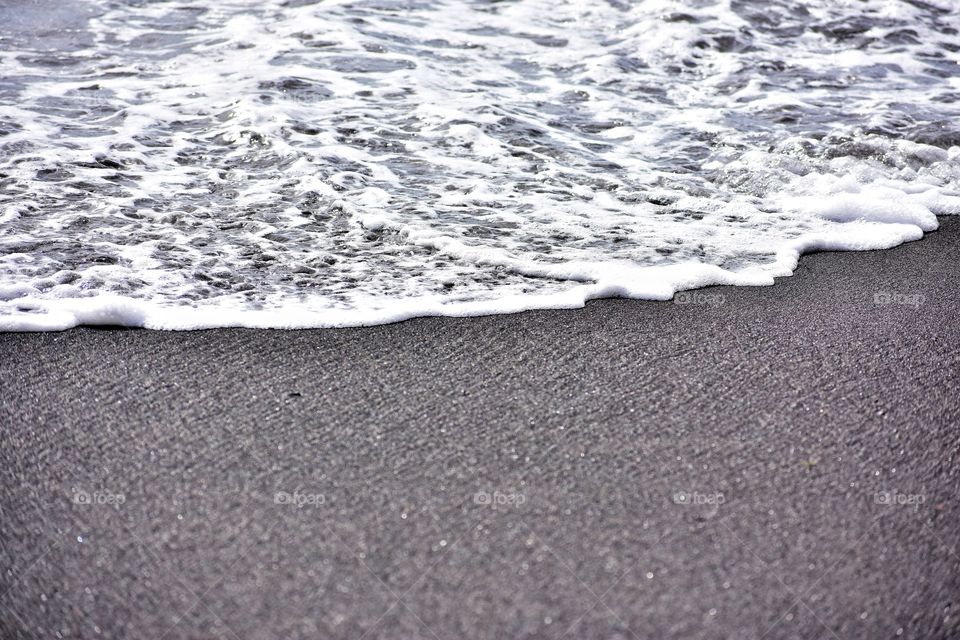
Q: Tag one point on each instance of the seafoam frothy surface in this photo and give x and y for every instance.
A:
(291, 164)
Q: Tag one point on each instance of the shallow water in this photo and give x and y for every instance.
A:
(296, 163)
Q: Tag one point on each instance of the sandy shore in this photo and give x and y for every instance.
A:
(762, 462)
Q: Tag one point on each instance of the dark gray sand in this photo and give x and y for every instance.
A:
(773, 462)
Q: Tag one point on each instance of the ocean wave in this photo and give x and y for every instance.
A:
(313, 164)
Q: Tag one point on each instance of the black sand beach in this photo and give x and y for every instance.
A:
(773, 462)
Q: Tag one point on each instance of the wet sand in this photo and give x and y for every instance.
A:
(775, 462)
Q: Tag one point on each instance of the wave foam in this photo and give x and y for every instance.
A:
(278, 164)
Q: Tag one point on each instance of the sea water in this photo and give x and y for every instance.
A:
(296, 163)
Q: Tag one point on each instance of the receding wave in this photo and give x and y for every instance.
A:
(306, 164)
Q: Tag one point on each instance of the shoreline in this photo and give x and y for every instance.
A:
(760, 461)
(112, 311)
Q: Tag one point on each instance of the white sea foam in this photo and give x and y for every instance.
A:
(304, 164)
